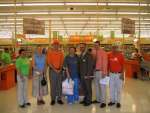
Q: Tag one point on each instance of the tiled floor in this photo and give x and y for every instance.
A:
(136, 99)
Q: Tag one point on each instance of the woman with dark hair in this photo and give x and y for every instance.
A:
(71, 65)
(39, 71)
(23, 67)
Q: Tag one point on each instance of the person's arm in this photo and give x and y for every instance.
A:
(122, 64)
(48, 60)
(90, 63)
(33, 62)
(66, 66)
(62, 61)
(108, 64)
(105, 64)
(45, 67)
(18, 69)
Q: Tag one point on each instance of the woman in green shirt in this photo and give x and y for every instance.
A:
(6, 57)
(23, 67)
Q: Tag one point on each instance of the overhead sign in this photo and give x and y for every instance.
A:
(128, 26)
(33, 26)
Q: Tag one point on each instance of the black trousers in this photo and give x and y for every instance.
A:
(87, 89)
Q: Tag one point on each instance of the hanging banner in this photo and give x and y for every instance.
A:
(55, 34)
(128, 26)
(112, 34)
(33, 26)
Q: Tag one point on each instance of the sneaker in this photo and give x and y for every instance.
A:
(28, 104)
(42, 101)
(87, 104)
(22, 106)
(52, 102)
(60, 102)
(102, 105)
(118, 105)
(111, 104)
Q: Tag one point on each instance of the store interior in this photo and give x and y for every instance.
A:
(73, 22)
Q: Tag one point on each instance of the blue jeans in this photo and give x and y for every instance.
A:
(75, 96)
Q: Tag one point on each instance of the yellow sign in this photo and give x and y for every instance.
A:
(33, 26)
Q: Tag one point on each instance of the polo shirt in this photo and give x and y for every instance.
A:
(23, 64)
(115, 62)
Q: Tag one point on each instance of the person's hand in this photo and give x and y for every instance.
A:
(121, 77)
(103, 76)
(57, 71)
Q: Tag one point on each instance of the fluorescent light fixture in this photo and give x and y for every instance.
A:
(71, 3)
(92, 12)
(102, 4)
(133, 13)
(9, 5)
(9, 23)
(81, 4)
(32, 13)
(128, 13)
(65, 12)
(43, 4)
(127, 4)
(9, 19)
(6, 14)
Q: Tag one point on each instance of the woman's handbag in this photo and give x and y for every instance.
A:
(43, 81)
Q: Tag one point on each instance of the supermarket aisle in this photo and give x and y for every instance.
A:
(136, 99)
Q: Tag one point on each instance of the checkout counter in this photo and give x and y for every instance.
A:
(7, 76)
(133, 66)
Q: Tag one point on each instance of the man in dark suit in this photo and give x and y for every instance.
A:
(86, 73)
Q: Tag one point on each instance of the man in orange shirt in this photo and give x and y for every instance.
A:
(101, 61)
(55, 59)
(115, 66)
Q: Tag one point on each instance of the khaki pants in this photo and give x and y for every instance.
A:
(115, 87)
(22, 90)
(100, 88)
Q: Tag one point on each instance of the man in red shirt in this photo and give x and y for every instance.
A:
(115, 67)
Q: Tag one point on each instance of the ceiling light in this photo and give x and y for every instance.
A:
(127, 4)
(32, 13)
(65, 12)
(43, 4)
(102, 4)
(81, 4)
(5, 14)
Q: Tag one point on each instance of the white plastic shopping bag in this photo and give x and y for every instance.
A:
(67, 87)
(105, 81)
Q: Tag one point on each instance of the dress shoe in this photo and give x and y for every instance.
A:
(28, 104)
(111, 104)
(102, 105)
(60, 102)
(42, 101)
(52, 102)
(118, 105)
(95, 102)
(82, 102)
(87, 104)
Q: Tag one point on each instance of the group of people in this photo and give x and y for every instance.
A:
(82, 69)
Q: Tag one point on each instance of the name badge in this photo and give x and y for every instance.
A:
(83, 60)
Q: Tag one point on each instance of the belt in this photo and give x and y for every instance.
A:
(116, 72)
(97, 70)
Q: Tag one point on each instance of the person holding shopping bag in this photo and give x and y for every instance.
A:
(116, 68)
(72, 64)
(23, 69)
(39, 73)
